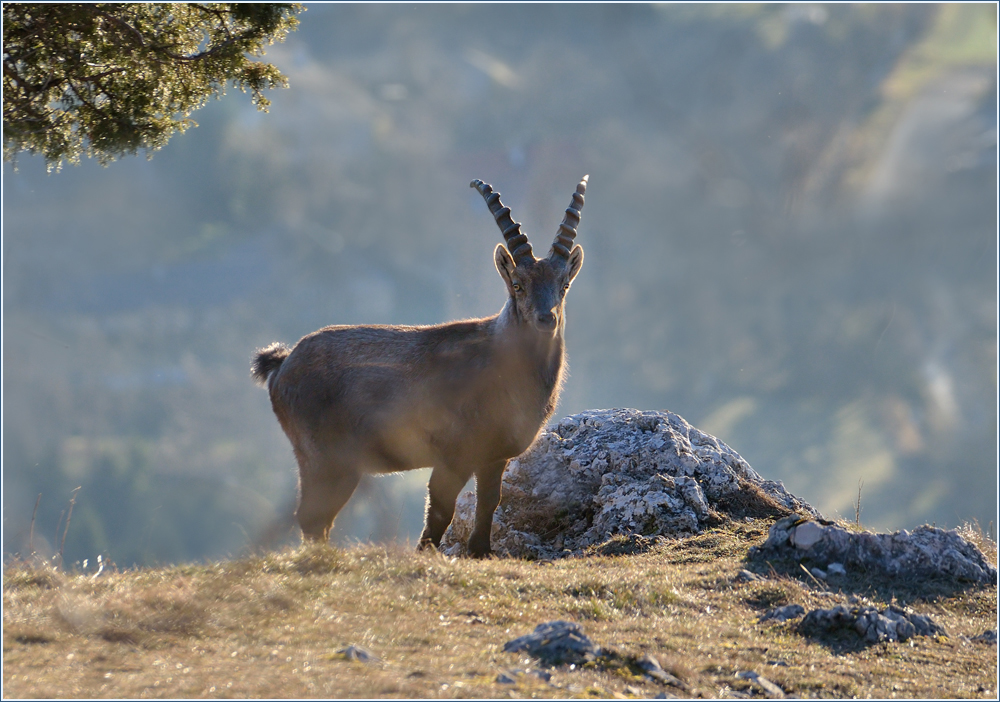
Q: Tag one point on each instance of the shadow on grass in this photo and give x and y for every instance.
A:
(863, 582)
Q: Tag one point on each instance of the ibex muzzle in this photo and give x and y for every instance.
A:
(462, 397)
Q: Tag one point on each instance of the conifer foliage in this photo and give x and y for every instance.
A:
(107, 79)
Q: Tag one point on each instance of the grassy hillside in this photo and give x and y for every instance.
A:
(272, 626)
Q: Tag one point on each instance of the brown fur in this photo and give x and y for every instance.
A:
(463, 397)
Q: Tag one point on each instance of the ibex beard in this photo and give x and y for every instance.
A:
(462, 398)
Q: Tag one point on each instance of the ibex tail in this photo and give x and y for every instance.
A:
(267, 360)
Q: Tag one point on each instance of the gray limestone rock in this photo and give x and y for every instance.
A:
(925, 552)
(770, 689)
(651, 667)
(555, 643)
(603, 473)
(783, 614)
(872, 625)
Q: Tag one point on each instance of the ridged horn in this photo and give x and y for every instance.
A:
(567, 229)
(517, 241)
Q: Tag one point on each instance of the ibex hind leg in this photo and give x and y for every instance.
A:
(488, 481)
(321, 499)
(442, 491)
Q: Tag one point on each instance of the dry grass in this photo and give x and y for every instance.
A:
(271, 626)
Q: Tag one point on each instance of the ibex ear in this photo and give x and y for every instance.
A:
(575, 261)
(505, 266)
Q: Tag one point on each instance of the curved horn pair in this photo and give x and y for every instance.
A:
(517, 241)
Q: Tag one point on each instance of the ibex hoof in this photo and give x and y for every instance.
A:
(315, 539)
(479, 548)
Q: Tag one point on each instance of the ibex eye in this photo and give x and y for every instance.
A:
(517, 287)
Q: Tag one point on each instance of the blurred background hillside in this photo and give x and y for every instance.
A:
(790, 235)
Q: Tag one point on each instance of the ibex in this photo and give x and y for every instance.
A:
(463, 397)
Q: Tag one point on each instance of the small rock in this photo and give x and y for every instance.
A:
(805, 535)
(922, 624)
(891, 624)
(836, 569)
(987, 637)
(818, 574)
(505, 679)
(745, 576)
(356, 653)
(783, 614)
(555, 643)
(770, 689)
(652, 668)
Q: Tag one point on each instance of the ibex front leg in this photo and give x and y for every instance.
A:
(442, 491)
(488, 480)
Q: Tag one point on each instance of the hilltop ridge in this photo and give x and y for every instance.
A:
(282, 624)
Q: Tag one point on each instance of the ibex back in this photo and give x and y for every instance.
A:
(463, 398)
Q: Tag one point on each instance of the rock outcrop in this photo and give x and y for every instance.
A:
(925, 552)
(872, 625)
(605, 473)
(611, 481)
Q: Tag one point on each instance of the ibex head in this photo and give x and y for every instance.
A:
(537, 287)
